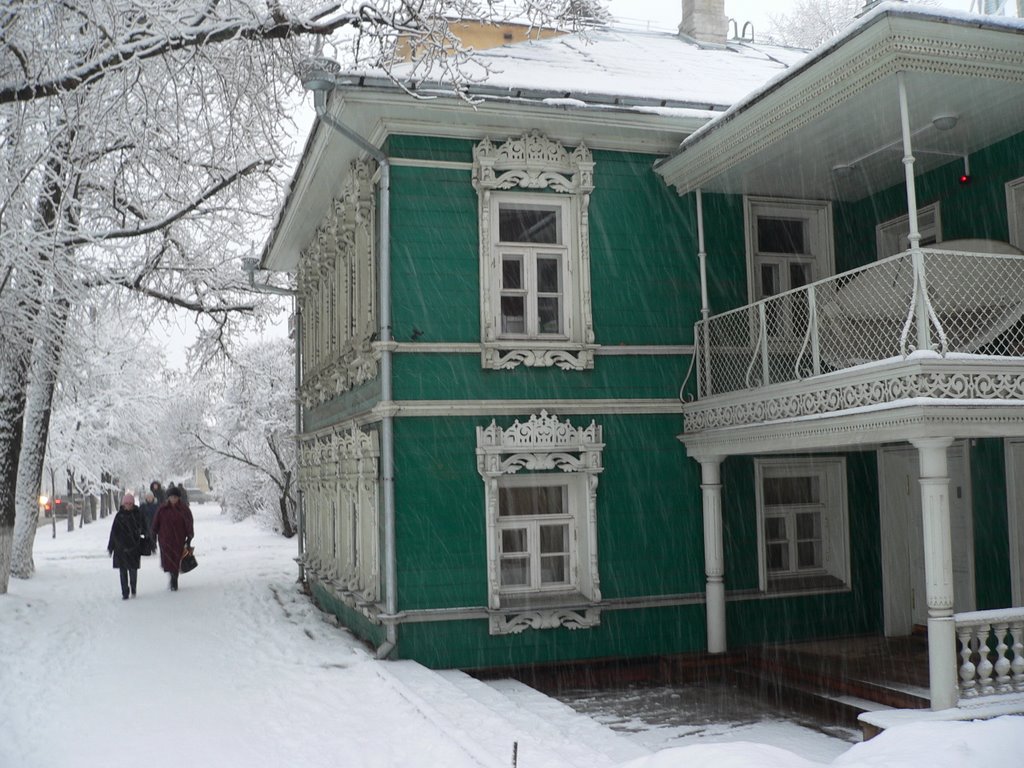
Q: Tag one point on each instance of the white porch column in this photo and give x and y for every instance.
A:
(714, 560)
(938, 569)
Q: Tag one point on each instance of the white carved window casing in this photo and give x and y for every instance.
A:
(336, 281)
(803, 540)
(534, 198)
(338, 474)
(893, 236)
(540, 488)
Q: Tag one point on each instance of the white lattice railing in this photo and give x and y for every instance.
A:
(991, 649)
(941, 300)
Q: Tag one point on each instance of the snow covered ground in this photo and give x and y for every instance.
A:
(239, 669)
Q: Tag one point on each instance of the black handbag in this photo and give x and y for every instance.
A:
(145, 545)
(188, 560)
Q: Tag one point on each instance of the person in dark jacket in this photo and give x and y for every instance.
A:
(158, 492)
(149, 508)
(125, 543)
(172, 527)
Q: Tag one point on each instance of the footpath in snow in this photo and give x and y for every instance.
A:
(239, 669)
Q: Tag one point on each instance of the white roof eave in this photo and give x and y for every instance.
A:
(864, 56)
(378, 108)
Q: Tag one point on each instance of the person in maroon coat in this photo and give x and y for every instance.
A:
(172, 527)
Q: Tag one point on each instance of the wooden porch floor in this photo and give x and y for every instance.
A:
(860, 672)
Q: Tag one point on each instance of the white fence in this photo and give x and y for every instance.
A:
(991, 649)
(941, 300)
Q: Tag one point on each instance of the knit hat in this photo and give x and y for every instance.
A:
(172, 490)
(128, 501)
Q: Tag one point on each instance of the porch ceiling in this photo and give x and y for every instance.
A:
(842, 109)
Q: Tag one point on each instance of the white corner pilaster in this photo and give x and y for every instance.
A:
(938, 567)
(714, 559)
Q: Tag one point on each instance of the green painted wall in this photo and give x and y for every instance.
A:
(992, 587)
(361, 627)
(858, 611)
(975, 210)
(644, 277)
(646, 499)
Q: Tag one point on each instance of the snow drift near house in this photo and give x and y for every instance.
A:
(998, 742)
(239, 669)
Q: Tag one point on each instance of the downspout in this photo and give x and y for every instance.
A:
(702, 256)
(249, 265)
(320, 86)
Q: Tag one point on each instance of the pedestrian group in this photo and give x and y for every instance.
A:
(164, 519)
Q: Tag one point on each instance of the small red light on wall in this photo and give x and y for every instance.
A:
(965, 179)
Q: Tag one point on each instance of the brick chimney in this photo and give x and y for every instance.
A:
(705, 20)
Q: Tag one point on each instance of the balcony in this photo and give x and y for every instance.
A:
(936, 323)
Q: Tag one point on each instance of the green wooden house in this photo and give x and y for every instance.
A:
(665, 342)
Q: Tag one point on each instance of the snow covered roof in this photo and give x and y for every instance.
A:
(632, 90)
(614, 66)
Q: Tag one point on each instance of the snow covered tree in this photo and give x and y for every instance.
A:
(142, 143)
(247, 440)
(812, 22)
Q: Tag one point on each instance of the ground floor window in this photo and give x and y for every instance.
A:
(802, 523)
(540, 480)
(536, 526)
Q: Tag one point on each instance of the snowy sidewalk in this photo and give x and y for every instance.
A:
(238, 669)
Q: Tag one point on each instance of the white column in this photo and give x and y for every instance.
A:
(714, 560)
(938, 569)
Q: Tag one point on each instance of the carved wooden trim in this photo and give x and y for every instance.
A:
(534, 162)
(338, 475)
(337, 293)
(543, 444)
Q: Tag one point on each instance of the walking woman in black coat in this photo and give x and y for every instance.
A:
(125, 543)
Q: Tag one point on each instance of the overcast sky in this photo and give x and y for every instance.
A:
(667, 13)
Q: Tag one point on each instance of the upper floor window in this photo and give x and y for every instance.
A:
(1015, 211)
(534, 196)
(893, 236)
(532, 246)
(789, 245)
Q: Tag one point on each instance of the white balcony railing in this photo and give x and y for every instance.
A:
(991, 649)
(940, 300)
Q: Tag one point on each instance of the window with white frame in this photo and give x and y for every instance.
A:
(789, 245)
(532, 246)
(534, 196)
(893, 236)
(1015, 211)
(536, 526)
(540, 480)
(802, 524)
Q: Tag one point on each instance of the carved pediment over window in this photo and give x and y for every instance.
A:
(534, 173)
(337, 279)
(533, 161)
(542, 443)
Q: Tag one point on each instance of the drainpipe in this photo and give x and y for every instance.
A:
(924, 341)
(320, 80)
(702, 257)
(249, 266)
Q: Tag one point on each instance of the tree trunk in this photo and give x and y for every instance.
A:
(12, 407)
(38, 407)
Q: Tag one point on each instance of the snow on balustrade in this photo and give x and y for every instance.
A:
(945, 301)
(991, 649)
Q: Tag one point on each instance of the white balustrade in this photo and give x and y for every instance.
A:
(972, 302)
(991, 650)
